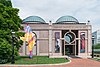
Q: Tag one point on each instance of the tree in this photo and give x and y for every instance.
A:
(9, 20)
(6, 3)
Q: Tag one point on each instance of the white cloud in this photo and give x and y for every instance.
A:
(83, 10)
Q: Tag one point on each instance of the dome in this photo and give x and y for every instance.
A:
(67, 19)
(33, 19)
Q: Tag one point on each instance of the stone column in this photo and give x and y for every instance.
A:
(86, 45)
(60, 43)
(37, 48)
(50, 43)
(79, 43)
(50, 39)
(89, 41)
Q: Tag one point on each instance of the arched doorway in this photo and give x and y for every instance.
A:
(35, 46)
(69, 44)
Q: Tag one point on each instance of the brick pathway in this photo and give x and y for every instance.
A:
(83, 63)
(75, 62)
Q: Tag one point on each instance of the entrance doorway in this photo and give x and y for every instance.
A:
(70, 44)
(69, 49)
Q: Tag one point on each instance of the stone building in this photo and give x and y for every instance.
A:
(66, 36)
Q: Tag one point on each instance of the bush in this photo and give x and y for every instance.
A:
(97, 46)
(6, 51)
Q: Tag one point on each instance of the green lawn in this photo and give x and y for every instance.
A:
(39, 60)
(97, 59)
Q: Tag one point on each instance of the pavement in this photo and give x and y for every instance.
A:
(75, 62)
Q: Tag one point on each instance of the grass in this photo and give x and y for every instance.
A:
(39, 60)
(97, 59)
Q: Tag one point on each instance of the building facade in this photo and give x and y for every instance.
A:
(96, 37)
(64, 37)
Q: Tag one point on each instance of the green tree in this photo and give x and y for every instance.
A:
(6, 3)
(9, 20)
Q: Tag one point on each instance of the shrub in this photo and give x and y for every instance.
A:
(97, 46)
(6, 51)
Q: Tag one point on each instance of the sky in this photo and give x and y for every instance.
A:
(82, 10)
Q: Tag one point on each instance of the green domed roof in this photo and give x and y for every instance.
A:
(33, 19)
(67, 19)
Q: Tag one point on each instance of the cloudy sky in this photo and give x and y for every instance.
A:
(83, 10)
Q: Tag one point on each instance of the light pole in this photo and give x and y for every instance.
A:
(93, 47)
(12, 61)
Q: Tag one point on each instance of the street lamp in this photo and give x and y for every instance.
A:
(12, 61)
(93, 47)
